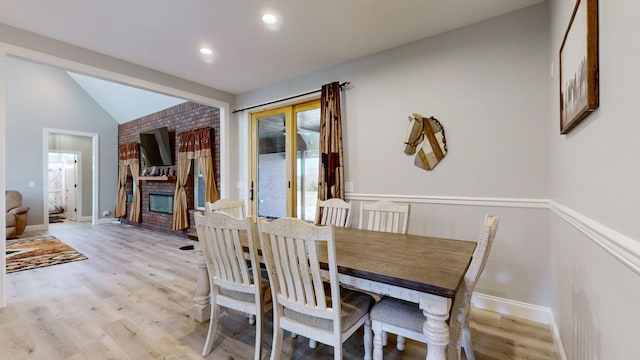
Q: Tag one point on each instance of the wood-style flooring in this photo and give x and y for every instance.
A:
(133, 299)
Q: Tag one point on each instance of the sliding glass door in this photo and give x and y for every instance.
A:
(284, 166)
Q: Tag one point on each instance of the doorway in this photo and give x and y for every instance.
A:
(70, 182)
(285, 161)
(65, 188)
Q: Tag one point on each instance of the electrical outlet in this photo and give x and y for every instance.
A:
(106, 213)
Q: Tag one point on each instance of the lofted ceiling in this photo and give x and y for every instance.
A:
(166, 35)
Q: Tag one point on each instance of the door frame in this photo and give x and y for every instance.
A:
(95, 166)
(291, 147)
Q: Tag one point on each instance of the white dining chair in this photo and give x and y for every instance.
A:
(406, 319)
(234, 284)
(232, 207)
(333, 211)
(384, 216)
(303, 302)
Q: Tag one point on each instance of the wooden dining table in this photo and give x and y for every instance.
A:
(421, 269)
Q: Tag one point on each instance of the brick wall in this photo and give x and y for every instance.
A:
(179, 118)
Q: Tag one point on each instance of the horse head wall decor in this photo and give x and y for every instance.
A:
(426, 139)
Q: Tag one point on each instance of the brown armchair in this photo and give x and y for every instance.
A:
(16, 214)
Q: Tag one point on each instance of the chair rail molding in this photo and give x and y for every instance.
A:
(620, 246)
(455, 200)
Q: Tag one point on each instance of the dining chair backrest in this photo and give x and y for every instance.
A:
(303, 301)
(234, 283)
(481, 253)
(384, 216)
(290, 251)
(333, 211)
(234, 208)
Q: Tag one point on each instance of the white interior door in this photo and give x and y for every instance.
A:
(71, 187)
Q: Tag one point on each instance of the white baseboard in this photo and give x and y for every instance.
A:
(531, 312)
(38, 227)
(106, 220)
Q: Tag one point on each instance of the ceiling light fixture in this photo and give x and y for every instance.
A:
(269, 18)
(206, 51)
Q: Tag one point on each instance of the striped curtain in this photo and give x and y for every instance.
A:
(133, 161)
(128, 156)
(121, 196)
(331, 175)
(196, 144)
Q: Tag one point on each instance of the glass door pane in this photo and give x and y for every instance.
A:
(307, 161)
(271, 190)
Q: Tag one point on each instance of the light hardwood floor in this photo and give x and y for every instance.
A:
(132, 299)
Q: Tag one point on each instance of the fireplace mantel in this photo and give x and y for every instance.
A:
(157, 178)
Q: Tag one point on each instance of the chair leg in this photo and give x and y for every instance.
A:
(278, 333)
(367, 340)
(400, 343)
(213, 324)
(377, 340)
(466, 342)
(337, 352)
(259, 327)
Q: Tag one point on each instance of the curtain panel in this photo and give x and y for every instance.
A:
(133, 161)
(196, 144)
(128, 155)
(331, 174)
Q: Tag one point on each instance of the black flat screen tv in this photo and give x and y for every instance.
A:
(155, 147)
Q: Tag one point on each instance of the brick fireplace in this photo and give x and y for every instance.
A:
(179, 118)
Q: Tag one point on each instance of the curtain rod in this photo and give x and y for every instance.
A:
(285, 99)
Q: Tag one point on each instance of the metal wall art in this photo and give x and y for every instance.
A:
(425, 139)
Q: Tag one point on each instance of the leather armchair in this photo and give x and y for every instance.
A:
(16, 214)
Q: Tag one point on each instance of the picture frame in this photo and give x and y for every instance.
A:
(579, 89)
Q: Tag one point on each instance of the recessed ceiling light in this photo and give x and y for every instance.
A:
(269, 18)
(206, 51)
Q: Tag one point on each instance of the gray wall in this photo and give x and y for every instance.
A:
(487, 84)
(594, 181)
(38, 97)
(84, 146)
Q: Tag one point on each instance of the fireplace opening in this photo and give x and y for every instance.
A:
(161, 203)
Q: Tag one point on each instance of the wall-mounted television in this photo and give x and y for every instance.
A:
(155, 147)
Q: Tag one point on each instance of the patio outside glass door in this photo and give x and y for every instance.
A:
(285, 161)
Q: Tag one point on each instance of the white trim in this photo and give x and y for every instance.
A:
(539, 314)
(455, 200)
(39, 227)
(3, 185)
(622, 247)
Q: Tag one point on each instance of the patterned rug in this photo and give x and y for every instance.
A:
(39, 251)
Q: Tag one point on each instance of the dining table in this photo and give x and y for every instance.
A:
(420, 269)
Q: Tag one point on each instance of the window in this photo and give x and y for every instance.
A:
(198, 186)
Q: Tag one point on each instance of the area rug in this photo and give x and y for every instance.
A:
(39, 251)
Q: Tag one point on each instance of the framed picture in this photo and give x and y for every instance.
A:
(579, 66)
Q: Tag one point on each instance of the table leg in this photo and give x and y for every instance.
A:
(202, 309)
(435, 328)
